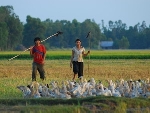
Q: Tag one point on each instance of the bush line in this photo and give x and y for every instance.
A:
(56, 57)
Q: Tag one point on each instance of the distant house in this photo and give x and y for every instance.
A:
(106, 44)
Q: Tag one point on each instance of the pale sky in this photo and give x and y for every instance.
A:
(129, 11)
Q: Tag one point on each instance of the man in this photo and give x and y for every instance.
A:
(38, 52)
(78, 52)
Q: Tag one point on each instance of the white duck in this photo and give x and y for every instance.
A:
(106, 91)
(34, 89)
(76, 89)
(114, 92)
(126, 89)
(133, 91)
(25, 90)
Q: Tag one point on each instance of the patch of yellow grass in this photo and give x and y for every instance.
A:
(18, 72)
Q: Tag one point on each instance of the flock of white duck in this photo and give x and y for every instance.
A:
(84, 88)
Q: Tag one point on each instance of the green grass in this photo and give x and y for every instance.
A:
(44, 109)
(90, 104)
(95, 54)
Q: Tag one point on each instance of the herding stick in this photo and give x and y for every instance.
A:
(56, 34)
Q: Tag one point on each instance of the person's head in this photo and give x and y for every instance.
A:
(78, 42)
(37, 40)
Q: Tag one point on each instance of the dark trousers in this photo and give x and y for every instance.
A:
(78, 68)
(40, 68)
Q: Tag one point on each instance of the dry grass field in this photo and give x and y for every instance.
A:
(18, 72)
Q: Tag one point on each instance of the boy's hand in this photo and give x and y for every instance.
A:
(31, 47)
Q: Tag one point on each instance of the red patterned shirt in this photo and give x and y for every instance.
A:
(38, 53)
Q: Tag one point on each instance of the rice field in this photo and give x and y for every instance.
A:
(103, 65)
(18, 72)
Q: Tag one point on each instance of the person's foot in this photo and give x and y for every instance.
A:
(73, 80)
(81, 78)
(33, 80)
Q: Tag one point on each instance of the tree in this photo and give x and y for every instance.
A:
(11, 28)
(116, 44)
(15, 29)
(124, 43)
(91, 26)
(3, 36)
(33, 28)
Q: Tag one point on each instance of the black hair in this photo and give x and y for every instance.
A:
(78, 40)
(37, 38)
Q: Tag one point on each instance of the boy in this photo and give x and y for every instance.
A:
(38, 52)
(77, 59)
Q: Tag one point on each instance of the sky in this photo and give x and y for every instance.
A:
(129, 11)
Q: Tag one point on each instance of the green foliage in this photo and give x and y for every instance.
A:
(46, 109)
(137, 37)
(124, 43)
(3, 36)
(72, 31)
(66, 54)
(33, 28)
(10, 28)
(121, 108)
(14, 33)
(93, 104)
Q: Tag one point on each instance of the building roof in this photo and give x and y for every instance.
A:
(106, 43)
